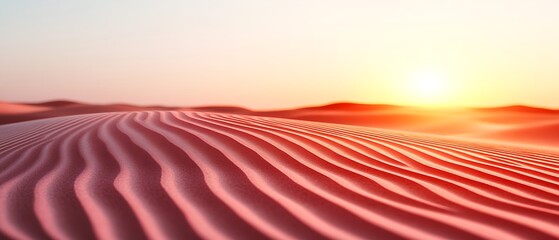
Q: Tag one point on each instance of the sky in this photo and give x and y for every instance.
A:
(280, 54)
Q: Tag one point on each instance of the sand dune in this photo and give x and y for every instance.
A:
(189, 174)
(516, 125)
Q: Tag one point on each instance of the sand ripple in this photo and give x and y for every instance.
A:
(177, 175)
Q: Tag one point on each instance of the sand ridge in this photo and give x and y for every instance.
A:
(191, 174)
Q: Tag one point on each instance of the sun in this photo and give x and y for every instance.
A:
(428, 88)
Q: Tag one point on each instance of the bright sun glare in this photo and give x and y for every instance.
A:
(428, 88)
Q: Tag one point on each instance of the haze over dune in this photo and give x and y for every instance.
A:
(518, 125)
(14, 108)
(195, 174)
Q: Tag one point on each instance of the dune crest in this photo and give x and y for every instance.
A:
(173, 174)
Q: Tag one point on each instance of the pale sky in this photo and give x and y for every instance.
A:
(276, 54)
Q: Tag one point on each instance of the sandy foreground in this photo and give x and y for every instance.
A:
(332, 172)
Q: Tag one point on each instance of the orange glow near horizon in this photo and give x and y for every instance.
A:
(281, 54)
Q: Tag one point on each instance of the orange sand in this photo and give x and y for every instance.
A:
(402, 173)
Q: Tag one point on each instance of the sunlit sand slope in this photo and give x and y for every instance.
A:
(178, 175)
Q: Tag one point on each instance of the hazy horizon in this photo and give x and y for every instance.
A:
(273, 55)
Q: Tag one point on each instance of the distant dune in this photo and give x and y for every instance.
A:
(189, 174)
